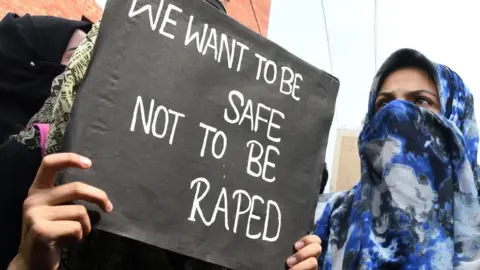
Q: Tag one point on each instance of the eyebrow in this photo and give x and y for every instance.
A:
(423, 91)
(387, 94)
(414, 92)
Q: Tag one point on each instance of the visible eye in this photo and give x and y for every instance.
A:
(382, 103)
(420, 101)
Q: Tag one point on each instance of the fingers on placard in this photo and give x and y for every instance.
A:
(70, 212)
(309, 264)
(312, 250)
(79, 191)
(307, 240)
(52, 163)
(62, 232)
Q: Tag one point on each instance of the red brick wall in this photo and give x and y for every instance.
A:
(71, 9)
(240, 10)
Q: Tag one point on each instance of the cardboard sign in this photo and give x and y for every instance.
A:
(208, 138)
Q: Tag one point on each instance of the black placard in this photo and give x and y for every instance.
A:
(208, 138)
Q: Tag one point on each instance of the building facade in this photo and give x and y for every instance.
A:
(70, 9)
(254, 14)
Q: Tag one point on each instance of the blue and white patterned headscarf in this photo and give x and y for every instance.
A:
(416, 205)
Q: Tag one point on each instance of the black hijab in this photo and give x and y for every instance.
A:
(31, 49)
(217, 4)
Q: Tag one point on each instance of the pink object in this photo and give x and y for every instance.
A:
(43, 128)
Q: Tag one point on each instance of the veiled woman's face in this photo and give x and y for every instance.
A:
(77, 38)
(410, 84)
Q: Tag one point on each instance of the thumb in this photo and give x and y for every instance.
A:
(52, 163)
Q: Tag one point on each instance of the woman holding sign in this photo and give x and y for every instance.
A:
(33, 51)
(49, 224)
(52, 228)
(416, 205)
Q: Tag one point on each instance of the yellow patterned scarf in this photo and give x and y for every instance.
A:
(56, 110)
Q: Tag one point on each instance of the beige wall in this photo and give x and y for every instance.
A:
(346, 161)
